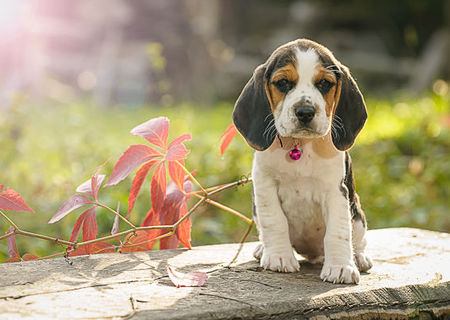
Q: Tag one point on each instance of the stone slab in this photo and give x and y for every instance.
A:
(410, 277)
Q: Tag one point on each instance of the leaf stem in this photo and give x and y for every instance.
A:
(9, 220)
(7, 235)
(228, 209)
(40, 236)
(241, 243)
(116, 213)
(192, 177)
(56, 254)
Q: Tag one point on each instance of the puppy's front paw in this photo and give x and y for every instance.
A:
(363, 261)
(340, 273)
(281, 262)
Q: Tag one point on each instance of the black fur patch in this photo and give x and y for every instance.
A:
(348, 190)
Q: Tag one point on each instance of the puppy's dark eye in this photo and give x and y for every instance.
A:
(324, 86)
(284, 85)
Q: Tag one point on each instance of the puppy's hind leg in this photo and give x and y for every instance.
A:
(257, 254)
(363, 262)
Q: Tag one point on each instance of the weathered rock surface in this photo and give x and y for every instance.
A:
(410, 277)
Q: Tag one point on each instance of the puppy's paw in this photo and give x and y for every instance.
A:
(363, 261)
(315, 259)
(258, 251)
(340, 273)
(280, 261)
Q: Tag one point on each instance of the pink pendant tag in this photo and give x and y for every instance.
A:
(295, 153)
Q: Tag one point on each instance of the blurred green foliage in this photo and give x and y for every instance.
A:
(401, 164)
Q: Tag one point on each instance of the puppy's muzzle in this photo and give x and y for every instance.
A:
(304, 113)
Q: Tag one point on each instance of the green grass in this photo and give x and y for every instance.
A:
(401, 164)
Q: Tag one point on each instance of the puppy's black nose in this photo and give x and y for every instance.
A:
(305, 114)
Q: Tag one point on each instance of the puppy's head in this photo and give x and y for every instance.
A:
(301, 91)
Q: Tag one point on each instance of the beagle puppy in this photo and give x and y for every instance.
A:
(301, 111)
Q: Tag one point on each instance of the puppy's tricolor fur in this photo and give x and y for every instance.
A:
(303, 96)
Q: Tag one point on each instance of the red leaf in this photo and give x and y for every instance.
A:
(176, 172)
(11, 200)
(96, 181)
(98, 247)
(177, 152)
(151, 219)
(88, 223)
(15, 259)
(171, 213)
(12, 246)
(191, 279)
(137, 183)
(89, 227)
(180, 139)
(74, 202)
(227, 137)
(86, 187)
(29, 257)
(141, 241)
(77, 228)
(115, 227)
(184, 229)
(130, 160)
(136, 242)
(158, 185)
(154, 131)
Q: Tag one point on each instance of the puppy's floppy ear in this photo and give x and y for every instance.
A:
(350, 114)
(252, 114)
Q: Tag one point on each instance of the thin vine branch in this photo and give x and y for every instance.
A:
(116, 213)
(8, 219)
(192, 177)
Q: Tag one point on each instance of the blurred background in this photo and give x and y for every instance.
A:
(77, 76)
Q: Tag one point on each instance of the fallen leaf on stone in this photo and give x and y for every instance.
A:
(191, 279)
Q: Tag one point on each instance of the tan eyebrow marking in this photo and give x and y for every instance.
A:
(324, 73)
(288, 72)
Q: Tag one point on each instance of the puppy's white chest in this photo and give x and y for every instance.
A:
(302, 188)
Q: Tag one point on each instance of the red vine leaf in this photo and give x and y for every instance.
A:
(88, 223)
(180, 139)
(176, 172)
(175, 208)
(130, 160)
(177, 150)
(29, 257)
(96, 248)
(89, 227)
(77, 228)
(151, 219)
(115, 227)
(136, 242)
(74, 202)
(11, 200)
(183, 231)
(12, 246)
(154, 131)
(141, 241)
(137, 183)
(227, 137)
(191, 279)
(159, 186)
(95, 182)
